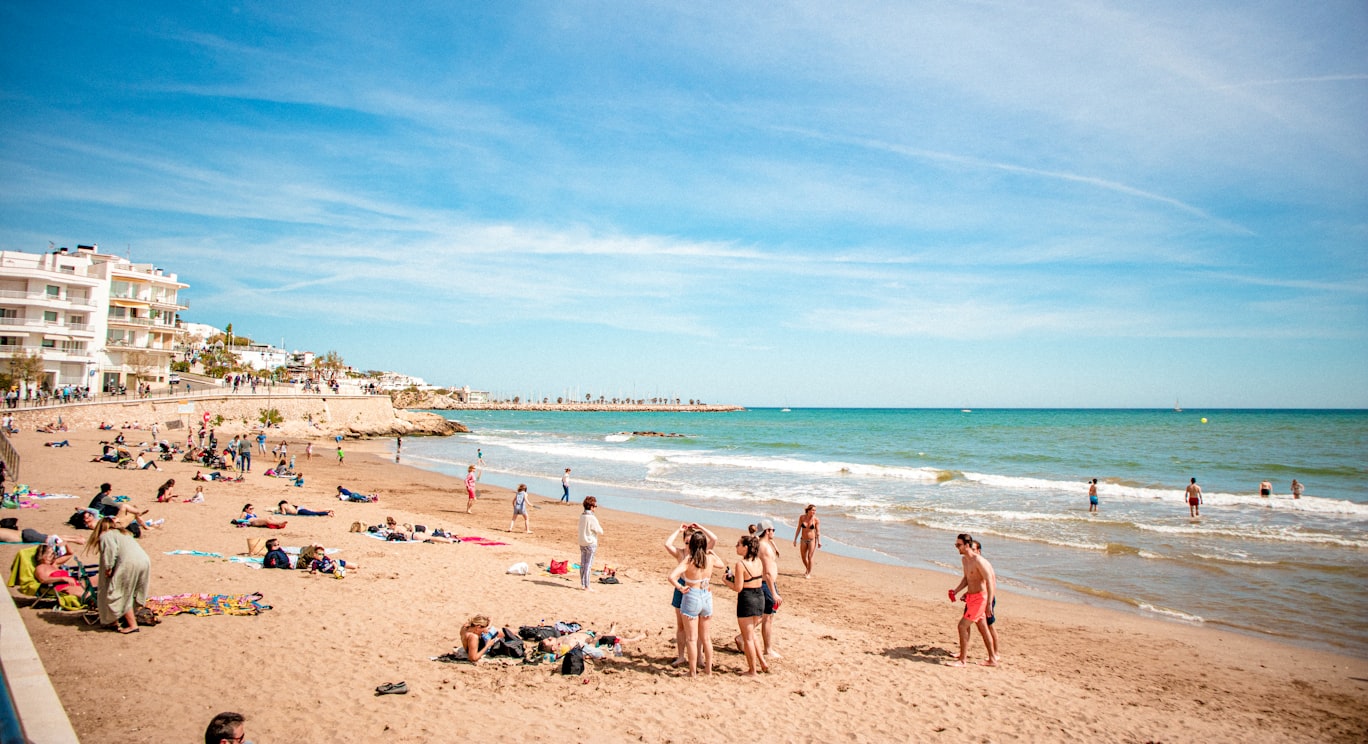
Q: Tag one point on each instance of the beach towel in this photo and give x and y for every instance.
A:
(194, 552)
(49, 496)
(481, 541)
(207, 604)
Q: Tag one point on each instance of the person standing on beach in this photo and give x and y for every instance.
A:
(810, 531)
(1296, 489)
(340, 454)
(470, 488)
(308, 450)
(520, 509)
(589, 530)
(769, 560)
(981, 587)
(565, 487)
(1092, 497)
(992, 608)
(1194, 499)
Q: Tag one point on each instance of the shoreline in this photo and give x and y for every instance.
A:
(864, 643)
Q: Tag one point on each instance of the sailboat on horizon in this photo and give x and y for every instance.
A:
(1177, 408)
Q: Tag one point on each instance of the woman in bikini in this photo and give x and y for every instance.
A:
(744, 578)
(696, 569)
(475, 638)
(46, 571)
(810, 531)
(678, 553)
(250, 519)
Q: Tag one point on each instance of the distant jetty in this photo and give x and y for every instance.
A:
(433, 401)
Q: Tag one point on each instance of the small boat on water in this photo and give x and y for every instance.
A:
(1177, 408)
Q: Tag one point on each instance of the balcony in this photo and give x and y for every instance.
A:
(46, 299)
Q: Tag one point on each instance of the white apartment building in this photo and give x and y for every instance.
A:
(96, 319)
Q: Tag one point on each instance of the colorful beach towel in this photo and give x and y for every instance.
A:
(194, 552)
(481, 541)
(207, 604)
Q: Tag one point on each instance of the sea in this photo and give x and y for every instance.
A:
(897, 485)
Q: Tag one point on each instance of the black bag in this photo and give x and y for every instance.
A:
(507, 644)
(537, 633)
(12, 523)
(573, 662)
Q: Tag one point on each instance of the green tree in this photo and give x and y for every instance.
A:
(26, 367)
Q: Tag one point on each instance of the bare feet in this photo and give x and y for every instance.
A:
(773, 654)
(958, 663)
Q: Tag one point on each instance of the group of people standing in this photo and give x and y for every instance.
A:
(753, 574)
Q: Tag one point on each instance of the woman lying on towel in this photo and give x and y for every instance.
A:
(344, 494)
(250, 519)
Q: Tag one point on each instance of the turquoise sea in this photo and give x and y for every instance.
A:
(897, 485)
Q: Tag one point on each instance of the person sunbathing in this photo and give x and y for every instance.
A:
(250, 519)
(589, 640)
(47, 570)
(285, 507)
(28, 535)
(474, 638)
(344, 494)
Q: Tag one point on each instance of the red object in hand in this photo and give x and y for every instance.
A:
(951, 592)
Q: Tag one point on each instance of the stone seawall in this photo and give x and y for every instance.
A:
(303, 415)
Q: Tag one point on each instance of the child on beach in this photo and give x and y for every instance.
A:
(520, 509)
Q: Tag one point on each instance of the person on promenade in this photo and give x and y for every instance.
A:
(1266, 489)
(981, 588)
(810, 531)
(1092, 496)
(124, 573)
(470, 487)
(679, 553)
(225, 728)
(285, 507)
(1194, 499)
(697, 606)
(769, 558)
(520, 509)
(1296, 489)
(744, 578)
(589, 530)
(565, 487)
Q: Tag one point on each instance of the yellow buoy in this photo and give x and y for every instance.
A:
(1204, 420)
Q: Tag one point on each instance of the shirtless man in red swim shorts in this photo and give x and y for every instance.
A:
(981, 583)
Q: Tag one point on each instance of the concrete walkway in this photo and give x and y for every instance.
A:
(41, 715)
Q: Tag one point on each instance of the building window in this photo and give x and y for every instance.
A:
(54, 292)
(49, 316)
(74, 346)
(49, 343)
(8, 312)
(11, 340)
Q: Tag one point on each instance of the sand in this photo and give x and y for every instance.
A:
(865, 645)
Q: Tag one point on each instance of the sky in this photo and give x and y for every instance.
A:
(902, 204)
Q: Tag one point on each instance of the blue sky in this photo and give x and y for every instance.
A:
(871, 204)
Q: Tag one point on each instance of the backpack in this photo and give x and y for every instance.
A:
(559, 567)
(506, 644)
(573, 661)
(537, 633)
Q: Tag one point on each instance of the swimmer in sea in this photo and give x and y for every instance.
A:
(1194, 499)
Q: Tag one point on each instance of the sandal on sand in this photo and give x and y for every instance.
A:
(392, 688)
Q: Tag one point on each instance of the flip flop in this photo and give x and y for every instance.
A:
(392, 688)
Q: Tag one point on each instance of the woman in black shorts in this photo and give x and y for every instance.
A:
(744, 578)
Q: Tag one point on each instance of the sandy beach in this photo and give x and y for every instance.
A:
(865, 646)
